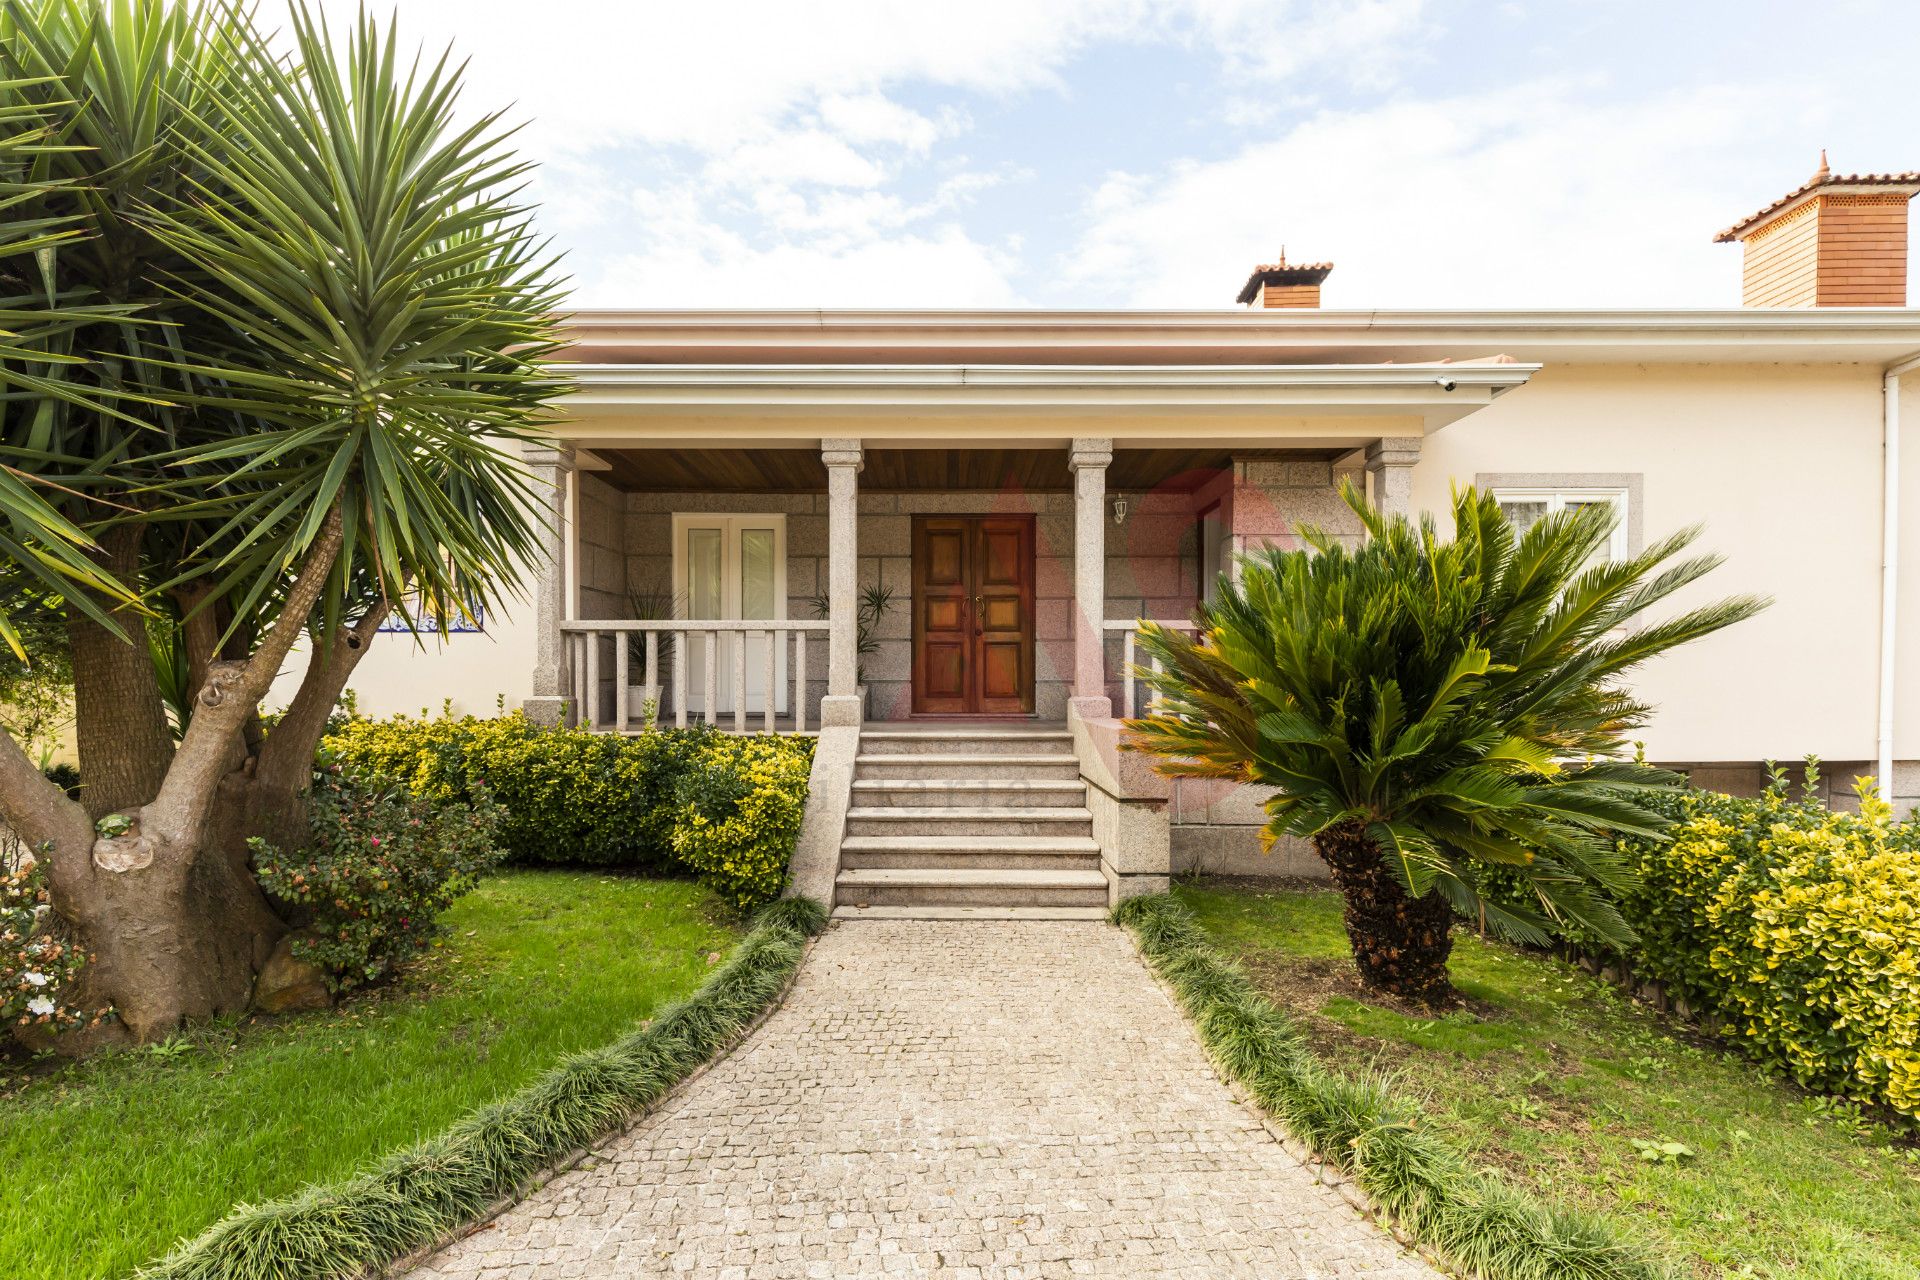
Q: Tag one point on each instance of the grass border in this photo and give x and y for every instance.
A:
(420, 1195)
(1417, 1183)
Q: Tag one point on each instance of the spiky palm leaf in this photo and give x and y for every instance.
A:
(388, 309)
(44, 551)
(1461, 701)
(348, 306)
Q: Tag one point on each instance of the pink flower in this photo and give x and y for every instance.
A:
(376, 842)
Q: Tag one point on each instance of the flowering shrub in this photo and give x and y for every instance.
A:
(566, 795)
(1797, 926)
(737, 814)
(35, 965)
(382, 864)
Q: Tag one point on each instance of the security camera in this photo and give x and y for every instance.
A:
(1445, 384)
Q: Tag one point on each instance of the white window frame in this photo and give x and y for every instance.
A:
(1558, 497)
(731, 525)
(1216, 550)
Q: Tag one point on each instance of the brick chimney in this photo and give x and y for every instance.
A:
(1285, 284)
(1835, 241)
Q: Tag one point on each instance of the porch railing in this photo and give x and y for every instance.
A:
(1130, 702)
(596, 648)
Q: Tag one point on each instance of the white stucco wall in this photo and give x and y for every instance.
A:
(1782, 467)
(474, 670)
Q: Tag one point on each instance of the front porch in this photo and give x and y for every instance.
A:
(757, 590)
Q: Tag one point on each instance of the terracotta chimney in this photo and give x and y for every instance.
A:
(1835, 241)
(1285, 284)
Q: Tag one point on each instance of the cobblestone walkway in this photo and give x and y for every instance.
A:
(972, 1099)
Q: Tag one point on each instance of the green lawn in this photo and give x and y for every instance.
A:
(105, 1164)
(1551, 1075)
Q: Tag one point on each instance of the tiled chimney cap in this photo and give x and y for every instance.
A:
(1823, 179)
(1282, 272)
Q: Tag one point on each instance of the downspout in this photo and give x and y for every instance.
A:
(1889, 567)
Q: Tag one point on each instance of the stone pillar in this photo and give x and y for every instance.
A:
(842, 704)
(1089, 460)
(1390, 462)
(550, 467)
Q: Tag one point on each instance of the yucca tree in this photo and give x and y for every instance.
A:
(333, 320)
(1430, 711)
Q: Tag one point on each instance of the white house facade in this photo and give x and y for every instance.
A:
(927, 537)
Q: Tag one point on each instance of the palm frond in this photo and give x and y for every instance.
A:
(1460, 697)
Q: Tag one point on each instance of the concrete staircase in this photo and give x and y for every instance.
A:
(975, 822)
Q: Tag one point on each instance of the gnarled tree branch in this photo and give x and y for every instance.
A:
(287, 754)
(232, 694)
(41, 814)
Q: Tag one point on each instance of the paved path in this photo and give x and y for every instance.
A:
(1007, 1100)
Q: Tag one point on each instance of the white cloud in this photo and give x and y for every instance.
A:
(796, 155)
(873, 117)
(810, 153)
(1544, 193)
(1366, 41)
(596, 72)
(699, 264)
(592, 73)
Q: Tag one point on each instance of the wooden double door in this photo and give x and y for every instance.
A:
(973, 615)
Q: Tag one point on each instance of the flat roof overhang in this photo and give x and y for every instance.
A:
(1870, 335)
(933, 405)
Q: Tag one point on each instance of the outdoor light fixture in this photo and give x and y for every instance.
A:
(1119, 510)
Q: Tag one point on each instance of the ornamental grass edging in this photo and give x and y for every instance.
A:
(420, 1197)
(1413, 1182)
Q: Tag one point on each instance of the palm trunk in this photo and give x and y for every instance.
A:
(1400, 943)
(120, 724)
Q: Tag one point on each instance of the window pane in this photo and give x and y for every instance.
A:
(1523, 513)
(705, 557)
(756, 573)
(1617, 544)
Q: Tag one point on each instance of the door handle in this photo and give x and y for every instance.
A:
(979, 617)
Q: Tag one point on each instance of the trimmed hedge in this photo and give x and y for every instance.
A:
(569, 796)
(727, 808)
(1795, 926)
(417, 1197)
(1474, 1220)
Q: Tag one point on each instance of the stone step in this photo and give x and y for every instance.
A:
(947, 887)
(967, 740)
(968, 793)
(953, 820)
(970, 913)
(1005, 852)
(1061, 765)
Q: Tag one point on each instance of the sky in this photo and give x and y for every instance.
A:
(1148, 153)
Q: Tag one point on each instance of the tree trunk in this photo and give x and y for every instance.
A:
(173, 934)
(176, 941)
(1400, 943)
(120, 722)
(167, 905)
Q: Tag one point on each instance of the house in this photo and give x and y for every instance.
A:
(1012, 490)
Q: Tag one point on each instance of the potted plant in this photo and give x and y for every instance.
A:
(651, 603)
(875, 603)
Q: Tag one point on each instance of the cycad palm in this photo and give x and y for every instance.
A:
(1427, 710)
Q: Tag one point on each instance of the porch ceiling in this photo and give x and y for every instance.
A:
(916, 470)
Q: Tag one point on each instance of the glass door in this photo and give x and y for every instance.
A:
(732, 567)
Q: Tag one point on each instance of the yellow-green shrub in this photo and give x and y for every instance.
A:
(737, 814)
(1799, 927)
(569, 796)
(726, 808)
